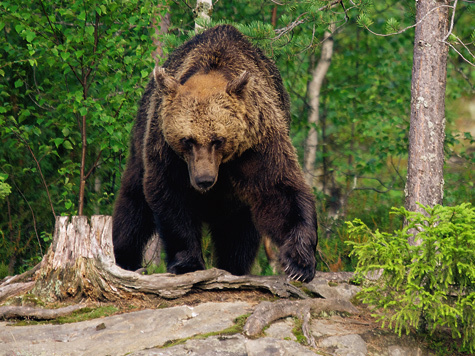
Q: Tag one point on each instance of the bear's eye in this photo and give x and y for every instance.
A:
(187, 143)
(218, 142)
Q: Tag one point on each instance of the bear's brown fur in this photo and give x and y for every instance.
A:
(211, 144)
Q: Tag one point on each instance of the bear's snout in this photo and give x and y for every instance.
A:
(203, 167)
(204, 182)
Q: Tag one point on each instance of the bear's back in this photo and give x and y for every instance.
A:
(224, 49)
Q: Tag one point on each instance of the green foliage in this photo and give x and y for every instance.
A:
(5, 188)
(71, 76)
(428, 286)
(3, 270)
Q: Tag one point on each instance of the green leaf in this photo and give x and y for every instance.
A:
(30, 36)
(58, 141)
(89, 30)
(65, 55)
(82, 16)
(67, 145)
(18, 83)
(19, 28)
(83, 111)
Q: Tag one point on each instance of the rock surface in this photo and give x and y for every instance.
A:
(147, 332)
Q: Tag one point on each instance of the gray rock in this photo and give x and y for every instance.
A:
(282, 329)
(126, 332)
(333, 326)
(325, 289)
(212, 346)
(345, 345)
(397, 350)
(236, 345)
(273, 347)
(144, 333)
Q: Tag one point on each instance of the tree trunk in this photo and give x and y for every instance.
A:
(161, 24)
(314, 87)
(425, 182)
(203, 12)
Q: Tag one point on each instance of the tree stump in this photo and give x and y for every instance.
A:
(69, 269)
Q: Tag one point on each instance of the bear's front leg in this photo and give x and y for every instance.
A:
(288, 216)
(176, 217)
(283, 208)
(182, 241)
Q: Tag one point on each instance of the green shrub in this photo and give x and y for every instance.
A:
(428, 286)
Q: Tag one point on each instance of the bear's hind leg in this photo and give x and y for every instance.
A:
(236, 242)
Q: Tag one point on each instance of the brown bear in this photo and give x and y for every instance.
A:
(211, 145)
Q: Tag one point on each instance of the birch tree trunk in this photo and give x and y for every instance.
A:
(314, 88)
(203, 12)
(425, 181)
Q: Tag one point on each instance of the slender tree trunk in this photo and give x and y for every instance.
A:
(314, 87)
(82, 178)
(425, 181)
(203, 11)
(161, 23)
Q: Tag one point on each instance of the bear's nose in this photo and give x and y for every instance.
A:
(204, 182)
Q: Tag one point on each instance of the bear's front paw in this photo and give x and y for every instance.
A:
(298, 267)
(183, 263)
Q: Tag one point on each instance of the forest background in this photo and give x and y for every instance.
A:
(72, 73)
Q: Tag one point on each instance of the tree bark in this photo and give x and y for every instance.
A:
(314, 88)
(67, 270)
(425, 182)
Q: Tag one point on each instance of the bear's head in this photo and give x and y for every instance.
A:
(205, 121)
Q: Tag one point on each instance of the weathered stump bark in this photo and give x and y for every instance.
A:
(69, 269)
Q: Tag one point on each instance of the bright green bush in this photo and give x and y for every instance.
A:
(428, 286)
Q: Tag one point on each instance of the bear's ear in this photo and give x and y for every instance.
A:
(237, 85)
(164, 81)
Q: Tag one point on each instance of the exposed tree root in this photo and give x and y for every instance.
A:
(267, 312)
(8, 290)
(22, 312)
